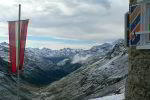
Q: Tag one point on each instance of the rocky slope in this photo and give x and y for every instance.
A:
(102, 77)
(8, 85)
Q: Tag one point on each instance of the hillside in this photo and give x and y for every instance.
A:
(67, 74)
(97, 79)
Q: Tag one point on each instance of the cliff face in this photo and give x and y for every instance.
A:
(138, 83)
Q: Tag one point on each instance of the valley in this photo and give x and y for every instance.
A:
(67, 74)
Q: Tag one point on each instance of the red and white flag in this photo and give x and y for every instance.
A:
(17, 44)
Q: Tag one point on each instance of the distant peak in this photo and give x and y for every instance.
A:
(4, 43)
(118, 41)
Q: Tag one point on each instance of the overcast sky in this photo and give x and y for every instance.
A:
(66, 23)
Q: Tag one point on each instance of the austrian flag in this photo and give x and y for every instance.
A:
(17, 44)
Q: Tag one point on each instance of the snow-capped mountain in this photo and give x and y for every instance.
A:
(67, 52)
(104, 76)
(70, 74)
(46, 65)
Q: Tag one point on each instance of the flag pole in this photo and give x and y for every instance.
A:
(19, 18)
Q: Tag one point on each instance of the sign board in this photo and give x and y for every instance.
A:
(137, 26)
(134, 25)
(144, 27)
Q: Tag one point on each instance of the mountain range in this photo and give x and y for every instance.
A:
(67, 74)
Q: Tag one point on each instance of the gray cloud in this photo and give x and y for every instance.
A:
(104, 3)
(95, 20)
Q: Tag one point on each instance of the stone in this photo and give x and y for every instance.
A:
(138, 82)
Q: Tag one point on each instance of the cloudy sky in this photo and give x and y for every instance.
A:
(66, 23)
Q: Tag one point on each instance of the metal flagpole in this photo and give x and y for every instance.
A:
(18, 83)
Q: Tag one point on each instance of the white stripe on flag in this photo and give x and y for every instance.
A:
(17, 45)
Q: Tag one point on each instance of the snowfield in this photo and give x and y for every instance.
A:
(112, 97)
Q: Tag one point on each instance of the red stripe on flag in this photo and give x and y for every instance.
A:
(12, 45)
(23, 36)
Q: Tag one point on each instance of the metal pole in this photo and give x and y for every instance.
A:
(18, 83)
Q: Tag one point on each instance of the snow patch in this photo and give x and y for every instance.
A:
(112, 97)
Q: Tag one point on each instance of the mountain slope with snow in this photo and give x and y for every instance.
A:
(43, 66)
(104, 76)
(111, 97)
(67, 74)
